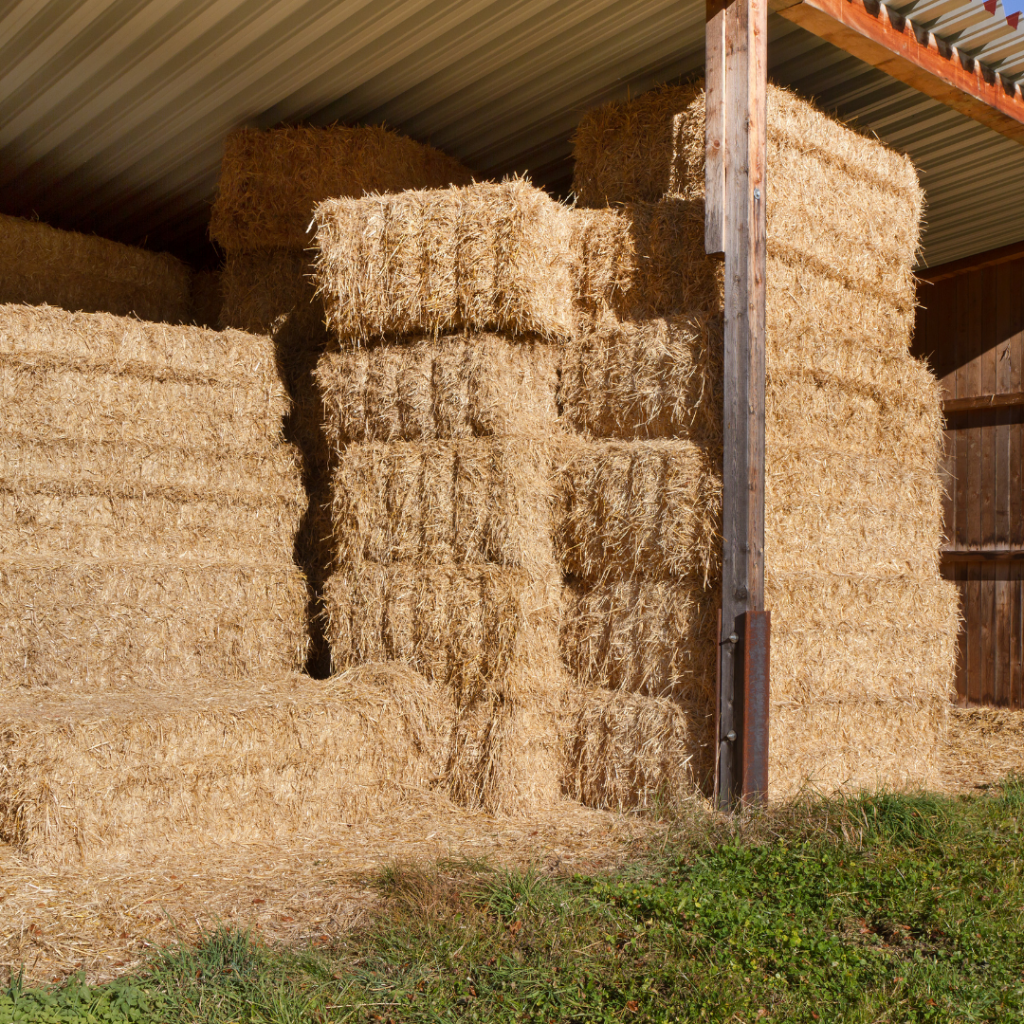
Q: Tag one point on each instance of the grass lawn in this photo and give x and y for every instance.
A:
(888, 908)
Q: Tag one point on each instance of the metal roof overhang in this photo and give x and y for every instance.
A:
(113, 112)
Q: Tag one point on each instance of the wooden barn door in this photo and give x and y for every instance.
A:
(971, 328)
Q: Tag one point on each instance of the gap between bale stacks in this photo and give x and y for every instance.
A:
(853, 491)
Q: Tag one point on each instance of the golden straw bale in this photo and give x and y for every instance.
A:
(806, 298)
(473, 501)
(655, 638)
(55, 519)
(647, 379)
(852, 535)
(984, 745)
(862, 514)
(627, 752)
(85, 778)
(110, 623)
(644, 508)
(504, 758)
(632, 151)
(40, 264)
(242, 476)
(478, 630)
(816, 597)
(135, 346)
(457, 387)
(812, 661)
(271, 180)
(643, 260)
(487, 635)
(483, 257)
(848, 745)
(44, 395)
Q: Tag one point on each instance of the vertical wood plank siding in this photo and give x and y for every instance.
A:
(970, 326)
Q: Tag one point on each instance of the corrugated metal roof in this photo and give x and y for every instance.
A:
(113, 112)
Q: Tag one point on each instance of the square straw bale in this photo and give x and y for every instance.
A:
(853, 535)
(503, 759)
(643, 260)
(808, 299)
(869, 515)
(99, 339)
(43, 265)
(88, 778)
(814, 596)
(629, 752)
(117, 624)
(810, 411)
(43, 395)
(266, 289)
(637, 508)
(848, 745)
(653, 378)
(482, 500)
(252, 477)
(458, 387)
(486, 257)
(57, 521)
(654, 638)
(481, 631)
(903, 658)
(271, 180)
(632, 151)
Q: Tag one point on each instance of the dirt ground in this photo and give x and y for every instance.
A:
(103, 920)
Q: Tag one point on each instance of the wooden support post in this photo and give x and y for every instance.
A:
(736, 85)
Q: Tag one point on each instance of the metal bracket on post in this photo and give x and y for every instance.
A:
(753, 710)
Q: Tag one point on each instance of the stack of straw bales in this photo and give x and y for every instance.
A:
(449, 307)
(148, 505)
(94, 777)
(269, 184)
(640, 496)
(863, 626)
(40, 264)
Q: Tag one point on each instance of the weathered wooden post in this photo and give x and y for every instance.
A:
(736, 86)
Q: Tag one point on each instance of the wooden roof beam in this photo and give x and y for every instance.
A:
(882, 38)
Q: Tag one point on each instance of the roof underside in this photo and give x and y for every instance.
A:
(113, 112)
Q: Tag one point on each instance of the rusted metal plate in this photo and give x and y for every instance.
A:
(757, 629)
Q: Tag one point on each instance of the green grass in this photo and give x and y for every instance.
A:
(878, 909)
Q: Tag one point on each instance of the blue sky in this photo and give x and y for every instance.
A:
(1013, 5)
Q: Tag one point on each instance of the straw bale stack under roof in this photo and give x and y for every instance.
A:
(93, 777)
(863, 626)
(43, 265)
(148, 505)
(444, 445)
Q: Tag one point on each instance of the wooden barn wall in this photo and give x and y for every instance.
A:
(970, 326)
